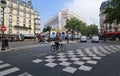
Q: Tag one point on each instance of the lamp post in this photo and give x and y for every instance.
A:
(3, 5)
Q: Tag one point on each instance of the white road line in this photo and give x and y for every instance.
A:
(79, 62)
(69, 69)
(51, 65)
(1, 61)
(85, 68)
(92, 62)
(114, 48)
(106, 47)
(88, 51)
(25, 74)
(96, 51)
(4, 65)
(65, 63)
(98, 58)
(103, 50)
(86, 58)
(37, 60)
(9, 71)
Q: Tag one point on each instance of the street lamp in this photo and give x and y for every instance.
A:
(3, 5)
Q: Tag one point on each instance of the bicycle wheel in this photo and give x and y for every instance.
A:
(53, 48)
(62, 47)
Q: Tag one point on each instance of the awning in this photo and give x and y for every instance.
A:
(113, 33)
(27, 35)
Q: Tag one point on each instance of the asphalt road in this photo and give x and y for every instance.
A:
(80, 59)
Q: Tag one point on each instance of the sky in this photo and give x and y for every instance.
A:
(87, 9)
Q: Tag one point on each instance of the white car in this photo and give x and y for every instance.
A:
(95, 39)
(83, 39)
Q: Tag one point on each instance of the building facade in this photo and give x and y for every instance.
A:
(111, 30)
(58, 21)
(19, 18)
(37, 23)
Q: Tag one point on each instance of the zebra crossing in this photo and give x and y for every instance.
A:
(9, 70)
(85, 59)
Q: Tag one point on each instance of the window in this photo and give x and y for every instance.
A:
(29, 21)
(10, 31)
(17, 12)
(17, 31)
(29, 26)
(24, 25)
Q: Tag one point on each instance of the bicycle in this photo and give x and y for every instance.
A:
(61, 47)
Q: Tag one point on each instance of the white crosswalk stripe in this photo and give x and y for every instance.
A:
(96, 51)
(7, 69)
(114, 48)
(4, 65)
(1, 61)
(107, 47)
(103, 50)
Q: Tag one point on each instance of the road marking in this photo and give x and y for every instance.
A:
(92, 62)
(96, 51)
(50, 60)
(103, 50)
(25, 74)
(50, 56)
(62, 59)
(79, 62)
(106, 47)
(65, 63)
(37, 60)
(51, 65)
(75, 59)
(69, 69)
(8, 71)
(86, 58)
(85, 68)
(113, 48)
(1, 61)
(4, 65)
(98, 58)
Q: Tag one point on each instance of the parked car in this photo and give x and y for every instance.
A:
(83, 39)
(95, 39)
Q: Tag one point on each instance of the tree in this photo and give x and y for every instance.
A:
(74, 25)
(93, 29)
(48, 28)
(112, 12)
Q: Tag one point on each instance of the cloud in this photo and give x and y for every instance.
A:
(87, 9)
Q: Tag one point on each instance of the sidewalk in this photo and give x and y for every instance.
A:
(30, 44)
(111, 41)
(23, 45)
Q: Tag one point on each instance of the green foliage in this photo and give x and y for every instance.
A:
(93, 29)
(47, 29)
(113, 12)
(78, 26)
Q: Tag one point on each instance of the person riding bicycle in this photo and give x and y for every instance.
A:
(57, 40)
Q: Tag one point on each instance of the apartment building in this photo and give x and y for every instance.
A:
(111, 30)
(19, 18)
(37, 23)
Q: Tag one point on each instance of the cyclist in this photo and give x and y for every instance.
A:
(57, 40)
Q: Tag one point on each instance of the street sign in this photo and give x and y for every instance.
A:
(3, 28)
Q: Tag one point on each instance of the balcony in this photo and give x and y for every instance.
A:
(22, 27)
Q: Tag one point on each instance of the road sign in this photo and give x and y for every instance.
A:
(3, 28)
